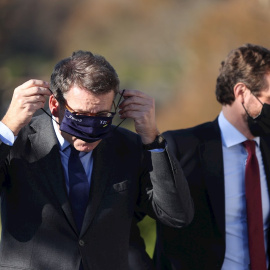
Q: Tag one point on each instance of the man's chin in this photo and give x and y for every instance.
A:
(83, 146)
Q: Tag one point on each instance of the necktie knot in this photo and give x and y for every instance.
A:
(74, 151)
(250, 146)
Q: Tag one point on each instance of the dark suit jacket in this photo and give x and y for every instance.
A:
(38, 230)
(201, 245)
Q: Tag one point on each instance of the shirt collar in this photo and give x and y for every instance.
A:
(63, 144)
(229, 134)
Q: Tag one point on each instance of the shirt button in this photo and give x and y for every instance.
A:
(81, 243)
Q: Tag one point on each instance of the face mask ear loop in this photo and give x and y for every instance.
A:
(249, 114)
(117, 108)
(50, 114)
(245, 110)
(257, 98)
(119, 124)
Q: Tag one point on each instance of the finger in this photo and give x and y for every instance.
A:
(32, 91)
(40, 85)
(38, 91)
(30, 108)
(133, 107)
(34, 82)
(136, 100)
(131, 93)
(38, 105)
(34, 99)
(134, 115)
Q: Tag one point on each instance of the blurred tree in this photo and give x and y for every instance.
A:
(139, 38)
(29, 32)
(223, 26)
(32, 27)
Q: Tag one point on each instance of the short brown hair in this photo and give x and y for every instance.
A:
(84, 69)
(247, 64)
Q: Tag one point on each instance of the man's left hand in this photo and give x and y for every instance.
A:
(141, 108)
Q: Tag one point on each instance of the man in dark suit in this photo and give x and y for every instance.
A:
(215, 161)
(69, 185)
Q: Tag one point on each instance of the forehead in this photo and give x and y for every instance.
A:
(81, 99)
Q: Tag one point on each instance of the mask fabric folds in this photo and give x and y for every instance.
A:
(87, 128)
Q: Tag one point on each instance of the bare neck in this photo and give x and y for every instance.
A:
(236, 115)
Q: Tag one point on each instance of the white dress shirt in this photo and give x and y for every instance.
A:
(234, 159)
(6, 135)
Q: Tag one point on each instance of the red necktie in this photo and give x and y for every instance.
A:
(254, 210)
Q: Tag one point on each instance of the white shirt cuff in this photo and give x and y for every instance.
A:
(157, 150)
(6, 135)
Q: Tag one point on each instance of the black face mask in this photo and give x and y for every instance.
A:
(259, 125)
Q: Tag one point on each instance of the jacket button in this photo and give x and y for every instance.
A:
(81, 243)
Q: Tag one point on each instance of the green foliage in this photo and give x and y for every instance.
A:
(148, 232)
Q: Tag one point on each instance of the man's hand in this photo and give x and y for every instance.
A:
(141, 108)
(27, 99)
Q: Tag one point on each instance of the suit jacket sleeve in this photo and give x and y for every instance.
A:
(4, 151)
(169, 192)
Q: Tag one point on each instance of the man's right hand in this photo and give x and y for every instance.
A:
(27, 99)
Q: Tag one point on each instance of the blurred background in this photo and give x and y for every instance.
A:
(169, 49)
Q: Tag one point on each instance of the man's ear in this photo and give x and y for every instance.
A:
(54, 106)
(240, 91)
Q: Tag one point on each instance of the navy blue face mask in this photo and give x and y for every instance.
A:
(89, 128)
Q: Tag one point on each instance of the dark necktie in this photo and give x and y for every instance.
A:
(78, 187)
(254, 210)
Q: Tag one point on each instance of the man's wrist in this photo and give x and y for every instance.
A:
(158, 143)
(9, 124)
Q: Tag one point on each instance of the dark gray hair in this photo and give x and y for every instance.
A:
(86, 70)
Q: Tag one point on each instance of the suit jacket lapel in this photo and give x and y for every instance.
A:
(212, 166)
(45, 145)
(102, 160)
(265, 148)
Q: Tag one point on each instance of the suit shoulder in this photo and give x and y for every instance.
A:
(200, 131)
(40, 123)
(36, 121)
(124, 135)
(184, 143)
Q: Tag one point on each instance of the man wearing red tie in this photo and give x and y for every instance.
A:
(227, 165)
